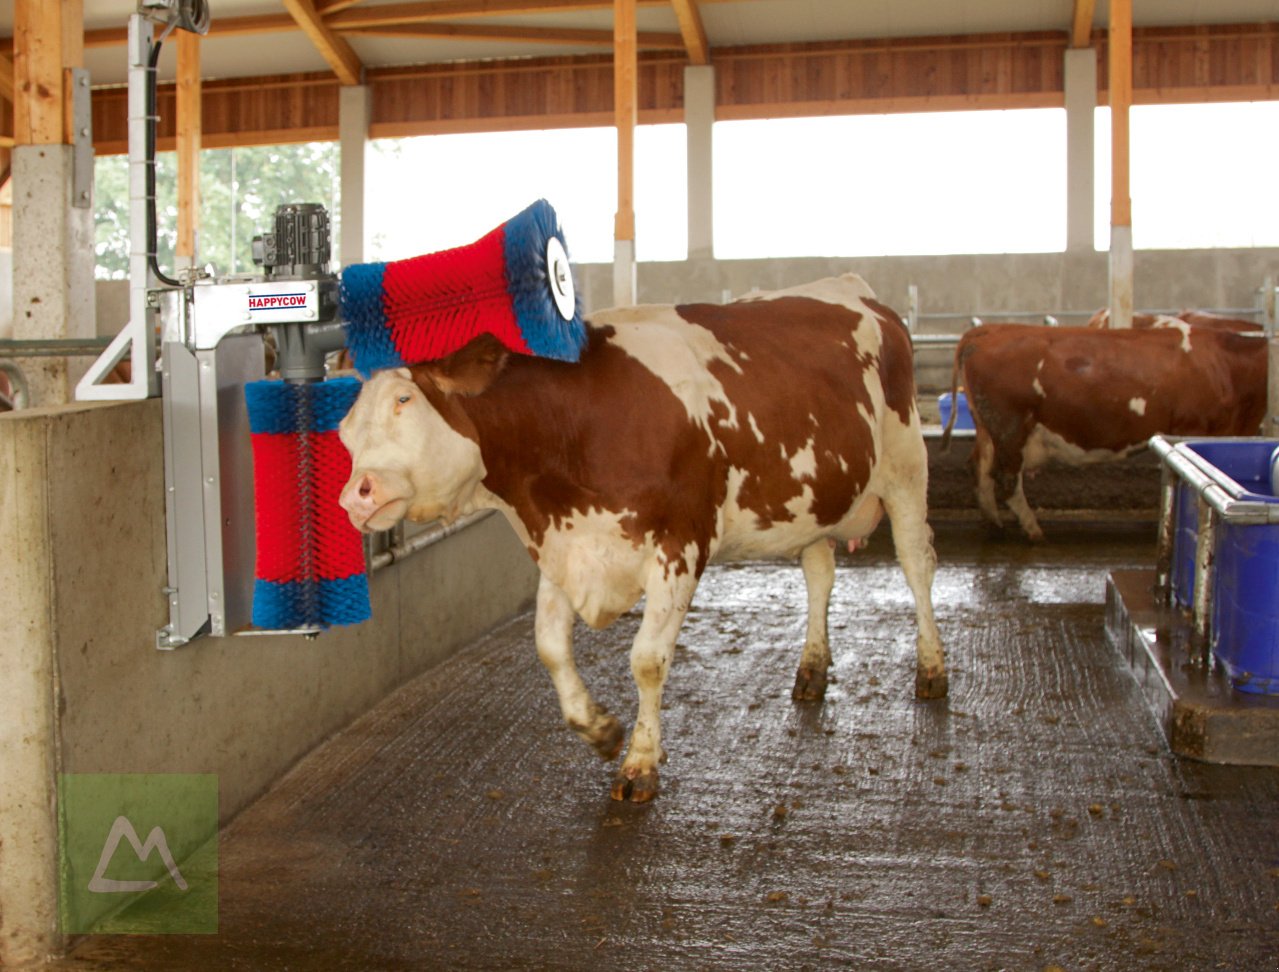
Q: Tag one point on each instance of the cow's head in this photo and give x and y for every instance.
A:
(406, 458)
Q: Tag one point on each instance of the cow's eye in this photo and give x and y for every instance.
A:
(404, 399)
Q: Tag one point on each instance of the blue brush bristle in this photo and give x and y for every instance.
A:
(367, 335)
(331, 400)
(271, 409)
(528, 282)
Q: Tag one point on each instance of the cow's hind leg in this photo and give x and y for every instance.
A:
(906, 503)
(984, 464)
(553, 632)
(667, 598)
(1025, 515)
(818, 561)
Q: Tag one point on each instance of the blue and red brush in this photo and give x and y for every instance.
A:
(310, 559)
(513, 283)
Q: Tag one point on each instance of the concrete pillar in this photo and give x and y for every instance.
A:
(354, 111)
(1081, 100)
(52, 240)
(699, 121)
(1119, 76)
(625, 274)
(626, 115)
(28, 735)
(53, 259)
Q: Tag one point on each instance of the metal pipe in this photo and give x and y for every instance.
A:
(1167, 534)
(52, 347)
(436, 531)
(1224, 498)
(1205, 575)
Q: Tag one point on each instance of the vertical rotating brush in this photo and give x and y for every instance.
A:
(514, 283)
(310, 560)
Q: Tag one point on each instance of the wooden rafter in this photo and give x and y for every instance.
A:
(334, 49)
(227, 27)
(1081, 28)
(333, 6)
(188, 143)
(422, 13)
(6, 78)
(537, 35)
(693, 31)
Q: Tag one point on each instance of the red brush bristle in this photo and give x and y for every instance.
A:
(339, 547)
(437, 303)
(276, 489)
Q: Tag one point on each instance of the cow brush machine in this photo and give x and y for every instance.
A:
(235, 442)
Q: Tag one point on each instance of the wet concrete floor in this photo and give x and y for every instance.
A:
(1034, 820)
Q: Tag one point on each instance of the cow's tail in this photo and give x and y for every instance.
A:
(954, 399)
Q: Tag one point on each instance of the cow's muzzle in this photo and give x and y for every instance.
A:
(374, 501)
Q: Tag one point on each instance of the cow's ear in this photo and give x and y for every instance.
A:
(469, 370)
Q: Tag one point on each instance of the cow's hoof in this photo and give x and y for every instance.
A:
(810, 685)
(638, 788)
(931, 685)
(608, 741)
(604, 734)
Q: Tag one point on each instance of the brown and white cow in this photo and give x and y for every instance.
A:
(1194, 318)
(1081, 395)
(685, 435)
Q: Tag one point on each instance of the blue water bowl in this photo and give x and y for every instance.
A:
(964, 418)
(1245, 608)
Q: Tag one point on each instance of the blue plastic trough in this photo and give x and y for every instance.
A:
(964, 418)
(1219, 550)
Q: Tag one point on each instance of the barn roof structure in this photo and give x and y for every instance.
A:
(272, 69)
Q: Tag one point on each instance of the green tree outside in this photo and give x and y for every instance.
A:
(239, 190)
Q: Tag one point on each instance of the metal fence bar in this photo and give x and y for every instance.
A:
(52, 347)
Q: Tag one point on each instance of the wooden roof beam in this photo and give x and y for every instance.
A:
(422, 13)
(333, 6)
(227, 27)
(538, 35)
(1081, 27)
(334, 49)
(693, 31)
(6, 78)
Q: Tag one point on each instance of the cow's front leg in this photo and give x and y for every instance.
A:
(818, 561)
(553, 632)
(667, 599)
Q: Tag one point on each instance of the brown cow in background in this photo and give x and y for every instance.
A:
(1220, 322)
(1081, 395)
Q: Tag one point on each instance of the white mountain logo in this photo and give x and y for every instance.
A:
(122, 829)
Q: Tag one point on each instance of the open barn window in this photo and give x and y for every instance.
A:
(872, 185)
(438, 191)
(239, 190)
(1201, 175)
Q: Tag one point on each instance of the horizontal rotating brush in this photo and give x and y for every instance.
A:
(514, 283)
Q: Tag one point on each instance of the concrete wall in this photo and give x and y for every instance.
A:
(966, 284)
(83, 688)
(6, 293)
(112, 304)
